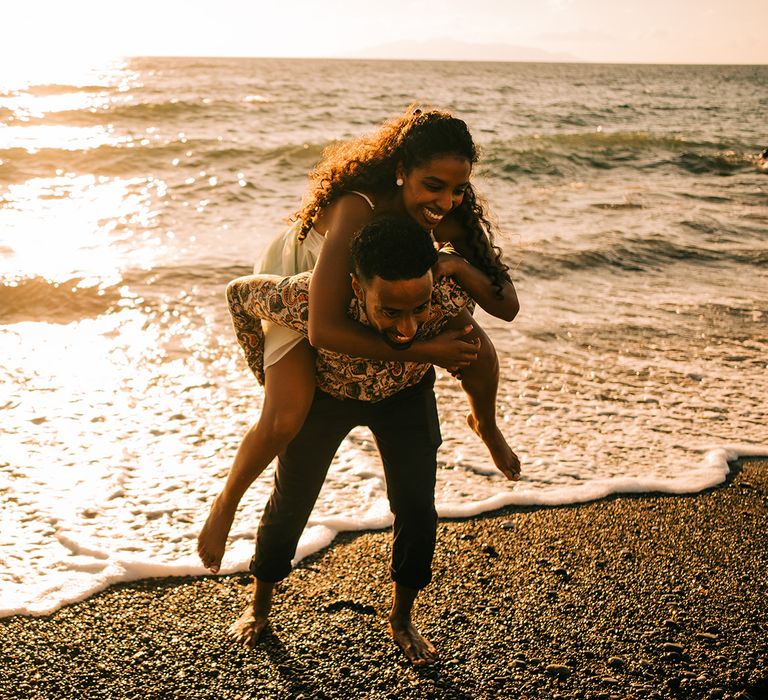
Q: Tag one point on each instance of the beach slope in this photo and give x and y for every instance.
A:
(649, 596)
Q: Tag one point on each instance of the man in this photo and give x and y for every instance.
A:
(395, 295)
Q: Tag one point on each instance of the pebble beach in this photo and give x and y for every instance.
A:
(648, 596)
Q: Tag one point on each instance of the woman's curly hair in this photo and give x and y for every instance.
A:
(369, 164)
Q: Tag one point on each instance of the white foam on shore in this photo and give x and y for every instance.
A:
(89, 563)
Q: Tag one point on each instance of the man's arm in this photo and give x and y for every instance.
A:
(281, 300)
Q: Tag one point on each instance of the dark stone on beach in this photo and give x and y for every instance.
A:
(716, 694)
(627, 554)
(508, 525)
(746, 485)
(673, 648)
(672, 624)
(562, 573)
(707, 637)
(490, 550)
(610, 680)
(558, 670)
(616, 662)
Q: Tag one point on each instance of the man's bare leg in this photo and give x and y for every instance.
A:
(288, 392)
(247, 629)
(480, 382)
(418, 649)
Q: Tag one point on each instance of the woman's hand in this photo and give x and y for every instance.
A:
(450, 349)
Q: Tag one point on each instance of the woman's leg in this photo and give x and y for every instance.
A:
(288, 390)
(480, 382)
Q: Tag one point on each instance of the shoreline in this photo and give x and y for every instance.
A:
(640, 595)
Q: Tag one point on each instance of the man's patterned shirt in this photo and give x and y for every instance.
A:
(285, 301)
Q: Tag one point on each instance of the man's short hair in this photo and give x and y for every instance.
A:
(393, 249)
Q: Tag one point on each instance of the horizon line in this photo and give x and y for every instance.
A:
(440, 60)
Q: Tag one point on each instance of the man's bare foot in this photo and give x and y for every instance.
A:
(419, 650)
(503, 457)
(247, 629)
(212, 539)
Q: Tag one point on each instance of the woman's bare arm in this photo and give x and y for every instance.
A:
(501, 303)
(330, 293)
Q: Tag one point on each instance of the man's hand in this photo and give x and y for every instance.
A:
(446, 266)
(450, 349)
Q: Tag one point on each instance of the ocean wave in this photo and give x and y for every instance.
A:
(719, 163)
(636, 255)
(153, 113)
(63, 89)
(184, 276)
(48, 90)
(132, 157)
(40, 299)
(565, 155)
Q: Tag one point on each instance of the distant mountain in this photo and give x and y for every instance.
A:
(451, 50)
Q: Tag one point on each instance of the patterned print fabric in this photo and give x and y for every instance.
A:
(285, 301)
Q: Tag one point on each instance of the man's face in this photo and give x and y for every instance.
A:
(396, 309)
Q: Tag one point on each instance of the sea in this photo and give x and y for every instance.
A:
(632, 204)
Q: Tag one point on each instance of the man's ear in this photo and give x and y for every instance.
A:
(357, 288)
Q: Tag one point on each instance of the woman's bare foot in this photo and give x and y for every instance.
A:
(247, 629)
(503, 457)
(212, 539)
(419, 650)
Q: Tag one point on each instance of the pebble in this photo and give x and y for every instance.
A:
(673, 648)
(707, 636)
(559, 670)
(616, 662)
(490, 550)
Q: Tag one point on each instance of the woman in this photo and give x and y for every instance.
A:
(417, 165)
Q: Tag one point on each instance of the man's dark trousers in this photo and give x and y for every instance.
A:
(407, 432)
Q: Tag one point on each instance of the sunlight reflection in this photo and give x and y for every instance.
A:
(65, 70)
(26, 105)
(34, 138)
(63, 227)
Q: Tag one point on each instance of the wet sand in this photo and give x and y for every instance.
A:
(648, 596)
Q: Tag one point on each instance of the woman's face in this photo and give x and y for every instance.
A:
(433, 189)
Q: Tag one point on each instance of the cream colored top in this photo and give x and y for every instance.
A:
(286, 255)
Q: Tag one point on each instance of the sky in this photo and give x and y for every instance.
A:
(623, 31)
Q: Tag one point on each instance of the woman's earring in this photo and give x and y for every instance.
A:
(399, 182)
